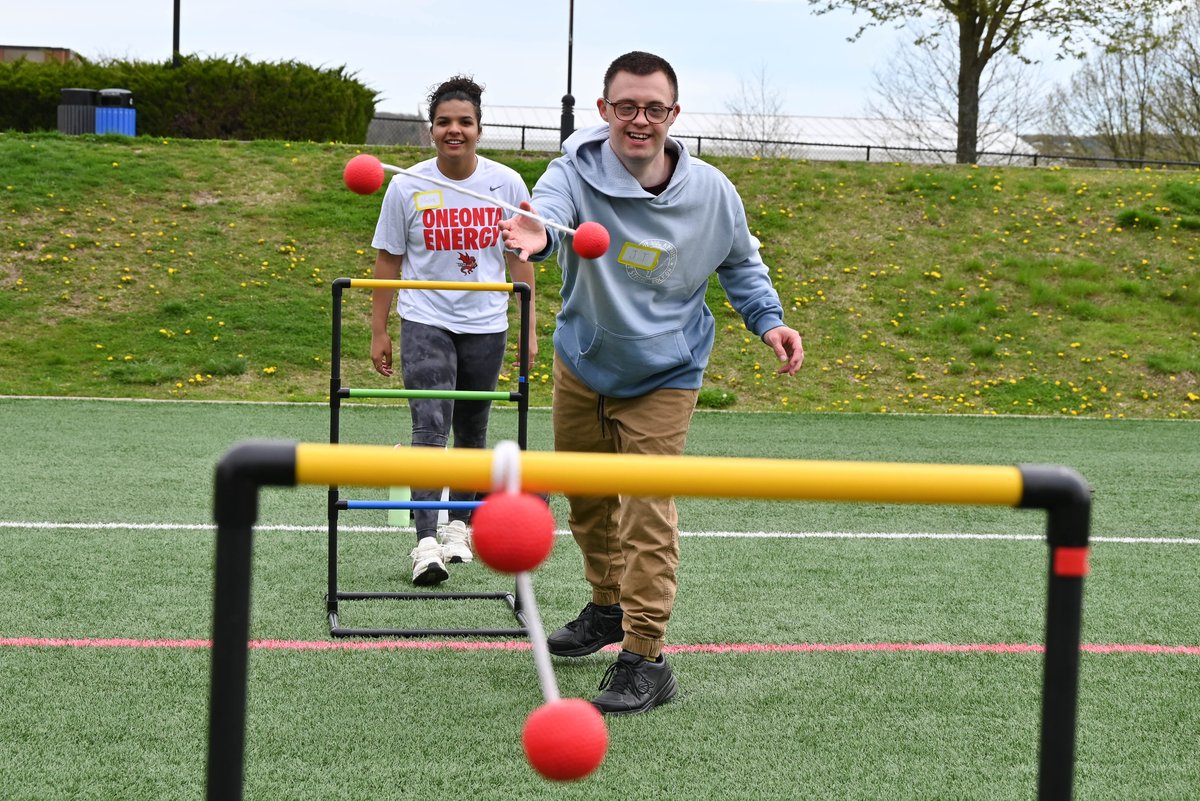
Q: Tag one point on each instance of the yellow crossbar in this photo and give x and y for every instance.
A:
(401, 283)
(697, 476)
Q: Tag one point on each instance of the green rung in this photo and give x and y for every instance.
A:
(452, 394)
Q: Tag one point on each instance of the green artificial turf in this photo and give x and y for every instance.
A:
(107, 534)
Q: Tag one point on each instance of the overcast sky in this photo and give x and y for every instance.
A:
(516, 49)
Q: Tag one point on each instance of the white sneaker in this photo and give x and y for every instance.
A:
(456, 542)
(427, 562)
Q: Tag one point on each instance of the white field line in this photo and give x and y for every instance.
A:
(505, 409)
(766, 535)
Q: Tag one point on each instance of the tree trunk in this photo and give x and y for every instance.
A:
(970, 68)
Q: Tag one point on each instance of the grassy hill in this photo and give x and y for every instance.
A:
(174, 268)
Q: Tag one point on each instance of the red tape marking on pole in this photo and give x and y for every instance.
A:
(1071, 562)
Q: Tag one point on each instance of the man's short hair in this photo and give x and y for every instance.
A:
(640, 63)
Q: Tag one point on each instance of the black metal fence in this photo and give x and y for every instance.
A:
(391, 130)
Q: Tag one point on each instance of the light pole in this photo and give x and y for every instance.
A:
(175, 60)
(567, 126)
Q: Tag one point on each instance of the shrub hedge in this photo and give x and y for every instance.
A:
(203, 98)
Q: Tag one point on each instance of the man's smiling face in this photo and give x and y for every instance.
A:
(638, 141)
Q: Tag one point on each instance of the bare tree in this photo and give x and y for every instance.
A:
(1109, 101)
(1177, 93)
(758, 119)
(916, 93)
(985, 28)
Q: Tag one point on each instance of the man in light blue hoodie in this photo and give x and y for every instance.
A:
(630, 347)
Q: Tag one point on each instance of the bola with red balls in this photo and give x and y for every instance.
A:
(590, 240)
(363, 174)
(565, 740)
(512, 532)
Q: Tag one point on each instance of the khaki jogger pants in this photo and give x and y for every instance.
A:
(630, 543)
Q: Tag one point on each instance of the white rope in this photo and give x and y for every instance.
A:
(537, 637)
(485, 198)
(506, 477)
(506, 467)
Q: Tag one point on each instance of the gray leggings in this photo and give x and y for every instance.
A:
(434, 358)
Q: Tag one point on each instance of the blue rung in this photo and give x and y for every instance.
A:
(410, 504)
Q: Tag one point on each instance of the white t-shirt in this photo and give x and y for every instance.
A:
(445, 235)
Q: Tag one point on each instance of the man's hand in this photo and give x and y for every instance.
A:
(788, 346)
(523, 235)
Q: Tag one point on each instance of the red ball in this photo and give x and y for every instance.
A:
(565, 740)
(590, 240)
(363, 174)
(512, 533)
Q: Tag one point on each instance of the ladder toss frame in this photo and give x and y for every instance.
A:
(336, 504)
(249, 466)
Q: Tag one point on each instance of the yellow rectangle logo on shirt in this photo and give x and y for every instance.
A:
(639, 256)
(428, 200)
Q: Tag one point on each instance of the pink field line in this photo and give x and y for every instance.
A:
(712, 648)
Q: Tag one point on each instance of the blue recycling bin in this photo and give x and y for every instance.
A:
(115, 112)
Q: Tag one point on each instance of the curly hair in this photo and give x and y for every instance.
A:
(460, 87)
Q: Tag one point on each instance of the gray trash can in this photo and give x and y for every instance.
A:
(77, 111)
(115, 112)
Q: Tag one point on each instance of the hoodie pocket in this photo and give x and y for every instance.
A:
(629, 360)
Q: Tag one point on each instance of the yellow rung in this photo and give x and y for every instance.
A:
(697, 476)
(401, 283)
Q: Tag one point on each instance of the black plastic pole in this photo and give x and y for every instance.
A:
(527, 331)
(239, 475)
(335, 401)
(1067, 499)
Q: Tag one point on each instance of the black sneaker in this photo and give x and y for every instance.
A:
(634, 684)
(596, 627)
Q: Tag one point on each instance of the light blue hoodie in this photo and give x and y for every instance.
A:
(635, 320)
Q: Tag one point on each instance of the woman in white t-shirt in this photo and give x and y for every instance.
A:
(449, 340)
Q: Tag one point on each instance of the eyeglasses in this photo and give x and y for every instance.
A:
(627, 111)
